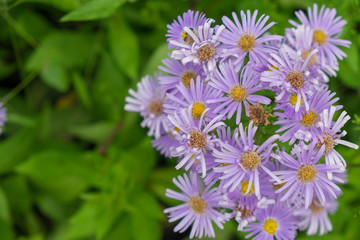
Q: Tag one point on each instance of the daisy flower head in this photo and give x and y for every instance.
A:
(245, 161)
(290, 74)
(198, 96)
(178, 72)
(166, 142)
(303, 124)
(204, 50)
(327, 28)
(149, 100)
(247, 38)
(306, 178)
(238, 92)
(194, 137)
(316, 218)
(199, 207)
(191, 20)
(331, 135)
(274, 222)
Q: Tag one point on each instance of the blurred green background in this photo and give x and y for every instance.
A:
(73, 163)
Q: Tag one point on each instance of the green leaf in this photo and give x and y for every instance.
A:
(64, 48)
(64, 5)
(144, 227)
(14, 149)
(4, 207)
(94, 132)
(124, 46)
(155, 60)
(92, 10)
(81, 89)
(120, 230)
(147, 205)
(55, 76)
(54, 171)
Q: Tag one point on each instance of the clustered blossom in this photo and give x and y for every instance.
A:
(278, 171)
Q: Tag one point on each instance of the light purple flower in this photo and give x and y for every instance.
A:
(327, 28)
(316, 218)
(204, 50)
(149, 102)
(306, 178)
(241, 39)
(178, 72)
(238, 93)
(199, 207)
(194, 137)
(191, 20)
(274, 222)
(244, 161)
(288, 75)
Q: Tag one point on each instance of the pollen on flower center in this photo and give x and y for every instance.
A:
(245, 213)
(186, 37)
(293, 99)
(328, 141)
(313, 59)
(250, 160)
(186, 78)
(155, 107)
(206, 52)
(270, 226)
(197, 110)
(309, 119)
(197, 139)
(246, 42)
(244, 188)
(319, 37)
(198, 204)
(296, 79)
(316, 207)
(307, 173)
(259, 115)
(278, 186)
(238, 93)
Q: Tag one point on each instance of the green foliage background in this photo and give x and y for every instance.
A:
(73, 163)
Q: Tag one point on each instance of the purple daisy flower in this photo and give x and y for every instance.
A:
(289, 75)
(241, 39)
(199, 208)
(245, 160)
(316, 218)
(2, 116)
(191, 20)
(166, 143)
(306, 178)
(302, 125)
(273, 222)
(199, 96)
(238, 93)
(194, 137)
(331, 136)
(149, 101)
(178, 72)
(327, 28)
(204, 50)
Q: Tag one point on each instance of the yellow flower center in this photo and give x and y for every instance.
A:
(309, 119)
(198, 204)
(270, 226)
(250, 160)
(238, 93)
(246, 42)
(155, 107)
(186, 78)
(319, 37)
(186, 37)
(313, 59)
(206, 52)
(197, 110)
(259, 115)
(296, 79)
(328, 141)
(197, 139)
(245, 213)
(307, 173)
(244, 188)
(293, 99)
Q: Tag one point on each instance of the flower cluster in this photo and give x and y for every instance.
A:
(250, 117)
